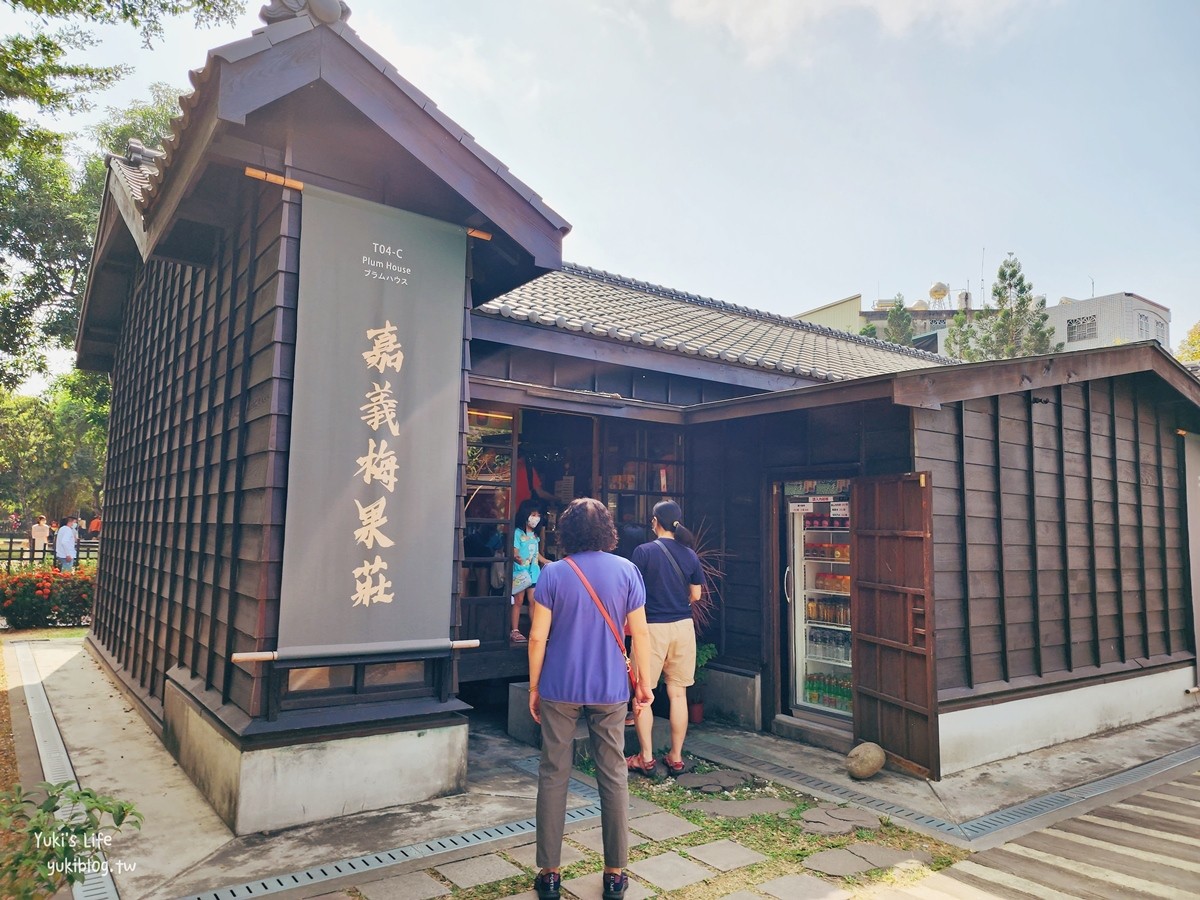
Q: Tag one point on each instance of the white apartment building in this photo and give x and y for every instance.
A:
(1111, 319)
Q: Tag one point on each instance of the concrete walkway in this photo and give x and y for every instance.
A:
(186, 851)
(1147, 845)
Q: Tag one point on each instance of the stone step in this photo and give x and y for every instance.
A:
(521, 727)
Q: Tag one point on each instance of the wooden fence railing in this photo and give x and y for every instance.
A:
(17, 553)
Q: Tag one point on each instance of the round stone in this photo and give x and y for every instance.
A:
(865, 760)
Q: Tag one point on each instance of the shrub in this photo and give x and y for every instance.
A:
(43, 597)
(53, 850)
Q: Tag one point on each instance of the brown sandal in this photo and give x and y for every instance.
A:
(674, 768)
(635, 763)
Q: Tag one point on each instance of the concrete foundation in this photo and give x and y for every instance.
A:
(972, 737)
(521, 727)
(734, 696)
(279, 787)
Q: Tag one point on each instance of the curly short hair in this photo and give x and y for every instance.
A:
(586, 525)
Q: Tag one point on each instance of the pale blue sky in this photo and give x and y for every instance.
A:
(786, 153)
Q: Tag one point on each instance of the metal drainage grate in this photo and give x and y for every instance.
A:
(1014, 815)
(373, 862)
(1137, 773)
(56, 765)
(794, 778)
(529, 765)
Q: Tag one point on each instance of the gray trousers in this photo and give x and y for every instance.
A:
(606, 730)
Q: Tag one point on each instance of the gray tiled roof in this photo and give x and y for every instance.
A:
(600, 304)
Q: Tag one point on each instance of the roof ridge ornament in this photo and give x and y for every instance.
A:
(323, 12)
(139, 154)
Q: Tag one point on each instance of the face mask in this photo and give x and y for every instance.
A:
(534, 521)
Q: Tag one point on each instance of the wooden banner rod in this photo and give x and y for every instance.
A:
(272, 178)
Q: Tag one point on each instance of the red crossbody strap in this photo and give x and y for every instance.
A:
(604, 612)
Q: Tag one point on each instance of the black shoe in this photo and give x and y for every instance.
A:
(547, 885)
(614, 885)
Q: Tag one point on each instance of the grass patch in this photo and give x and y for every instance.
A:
(779, 837)
(10, 635)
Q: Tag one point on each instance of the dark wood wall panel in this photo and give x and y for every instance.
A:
(730, 468)
(573, 373)
(1058, 534)
(725, 503)
(198, 458)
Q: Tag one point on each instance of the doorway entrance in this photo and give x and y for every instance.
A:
(856, 659)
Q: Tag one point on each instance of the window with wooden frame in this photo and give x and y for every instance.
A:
(306, 687)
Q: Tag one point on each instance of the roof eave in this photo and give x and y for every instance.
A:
(243, 82)
(119, 237)
(931, 388)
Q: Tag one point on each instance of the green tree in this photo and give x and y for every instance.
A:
(48, 213)
(958, 338)
(899, 328)
(45, 243)
(1014, 326)
(1189, 347)
(26, 454)
(34, 67)
(52, 447)
(869, 330)
(48, 208)
(78, 404)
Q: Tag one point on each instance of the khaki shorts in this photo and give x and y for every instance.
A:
(673, 652)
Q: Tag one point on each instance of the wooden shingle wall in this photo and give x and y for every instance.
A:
(194, 491)
(1070, 561)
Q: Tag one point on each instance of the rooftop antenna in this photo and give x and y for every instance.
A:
(982, 295)
(1093, 281)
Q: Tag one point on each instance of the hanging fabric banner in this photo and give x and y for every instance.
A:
(376, 407)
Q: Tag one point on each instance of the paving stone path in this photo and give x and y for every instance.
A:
(838, 820)
(712, 782)
(674, 870)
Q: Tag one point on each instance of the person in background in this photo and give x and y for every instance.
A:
(66, 545)
(530, 481)
(576, 667)
(673, 577)
(41, 536)
(94, 527)
(527, 562)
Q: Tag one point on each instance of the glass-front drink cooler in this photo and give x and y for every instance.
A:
(819, 528)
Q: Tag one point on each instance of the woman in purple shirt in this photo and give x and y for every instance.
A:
(577, 667)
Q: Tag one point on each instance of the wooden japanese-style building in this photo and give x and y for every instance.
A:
(1015, 534)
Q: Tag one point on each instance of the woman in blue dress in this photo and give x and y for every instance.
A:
(527, 562)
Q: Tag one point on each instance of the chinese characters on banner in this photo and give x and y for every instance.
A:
(376, 413)
(371, 584)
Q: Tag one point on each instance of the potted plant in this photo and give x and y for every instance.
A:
(704, 653)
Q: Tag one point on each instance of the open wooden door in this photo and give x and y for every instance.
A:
(891, 555)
